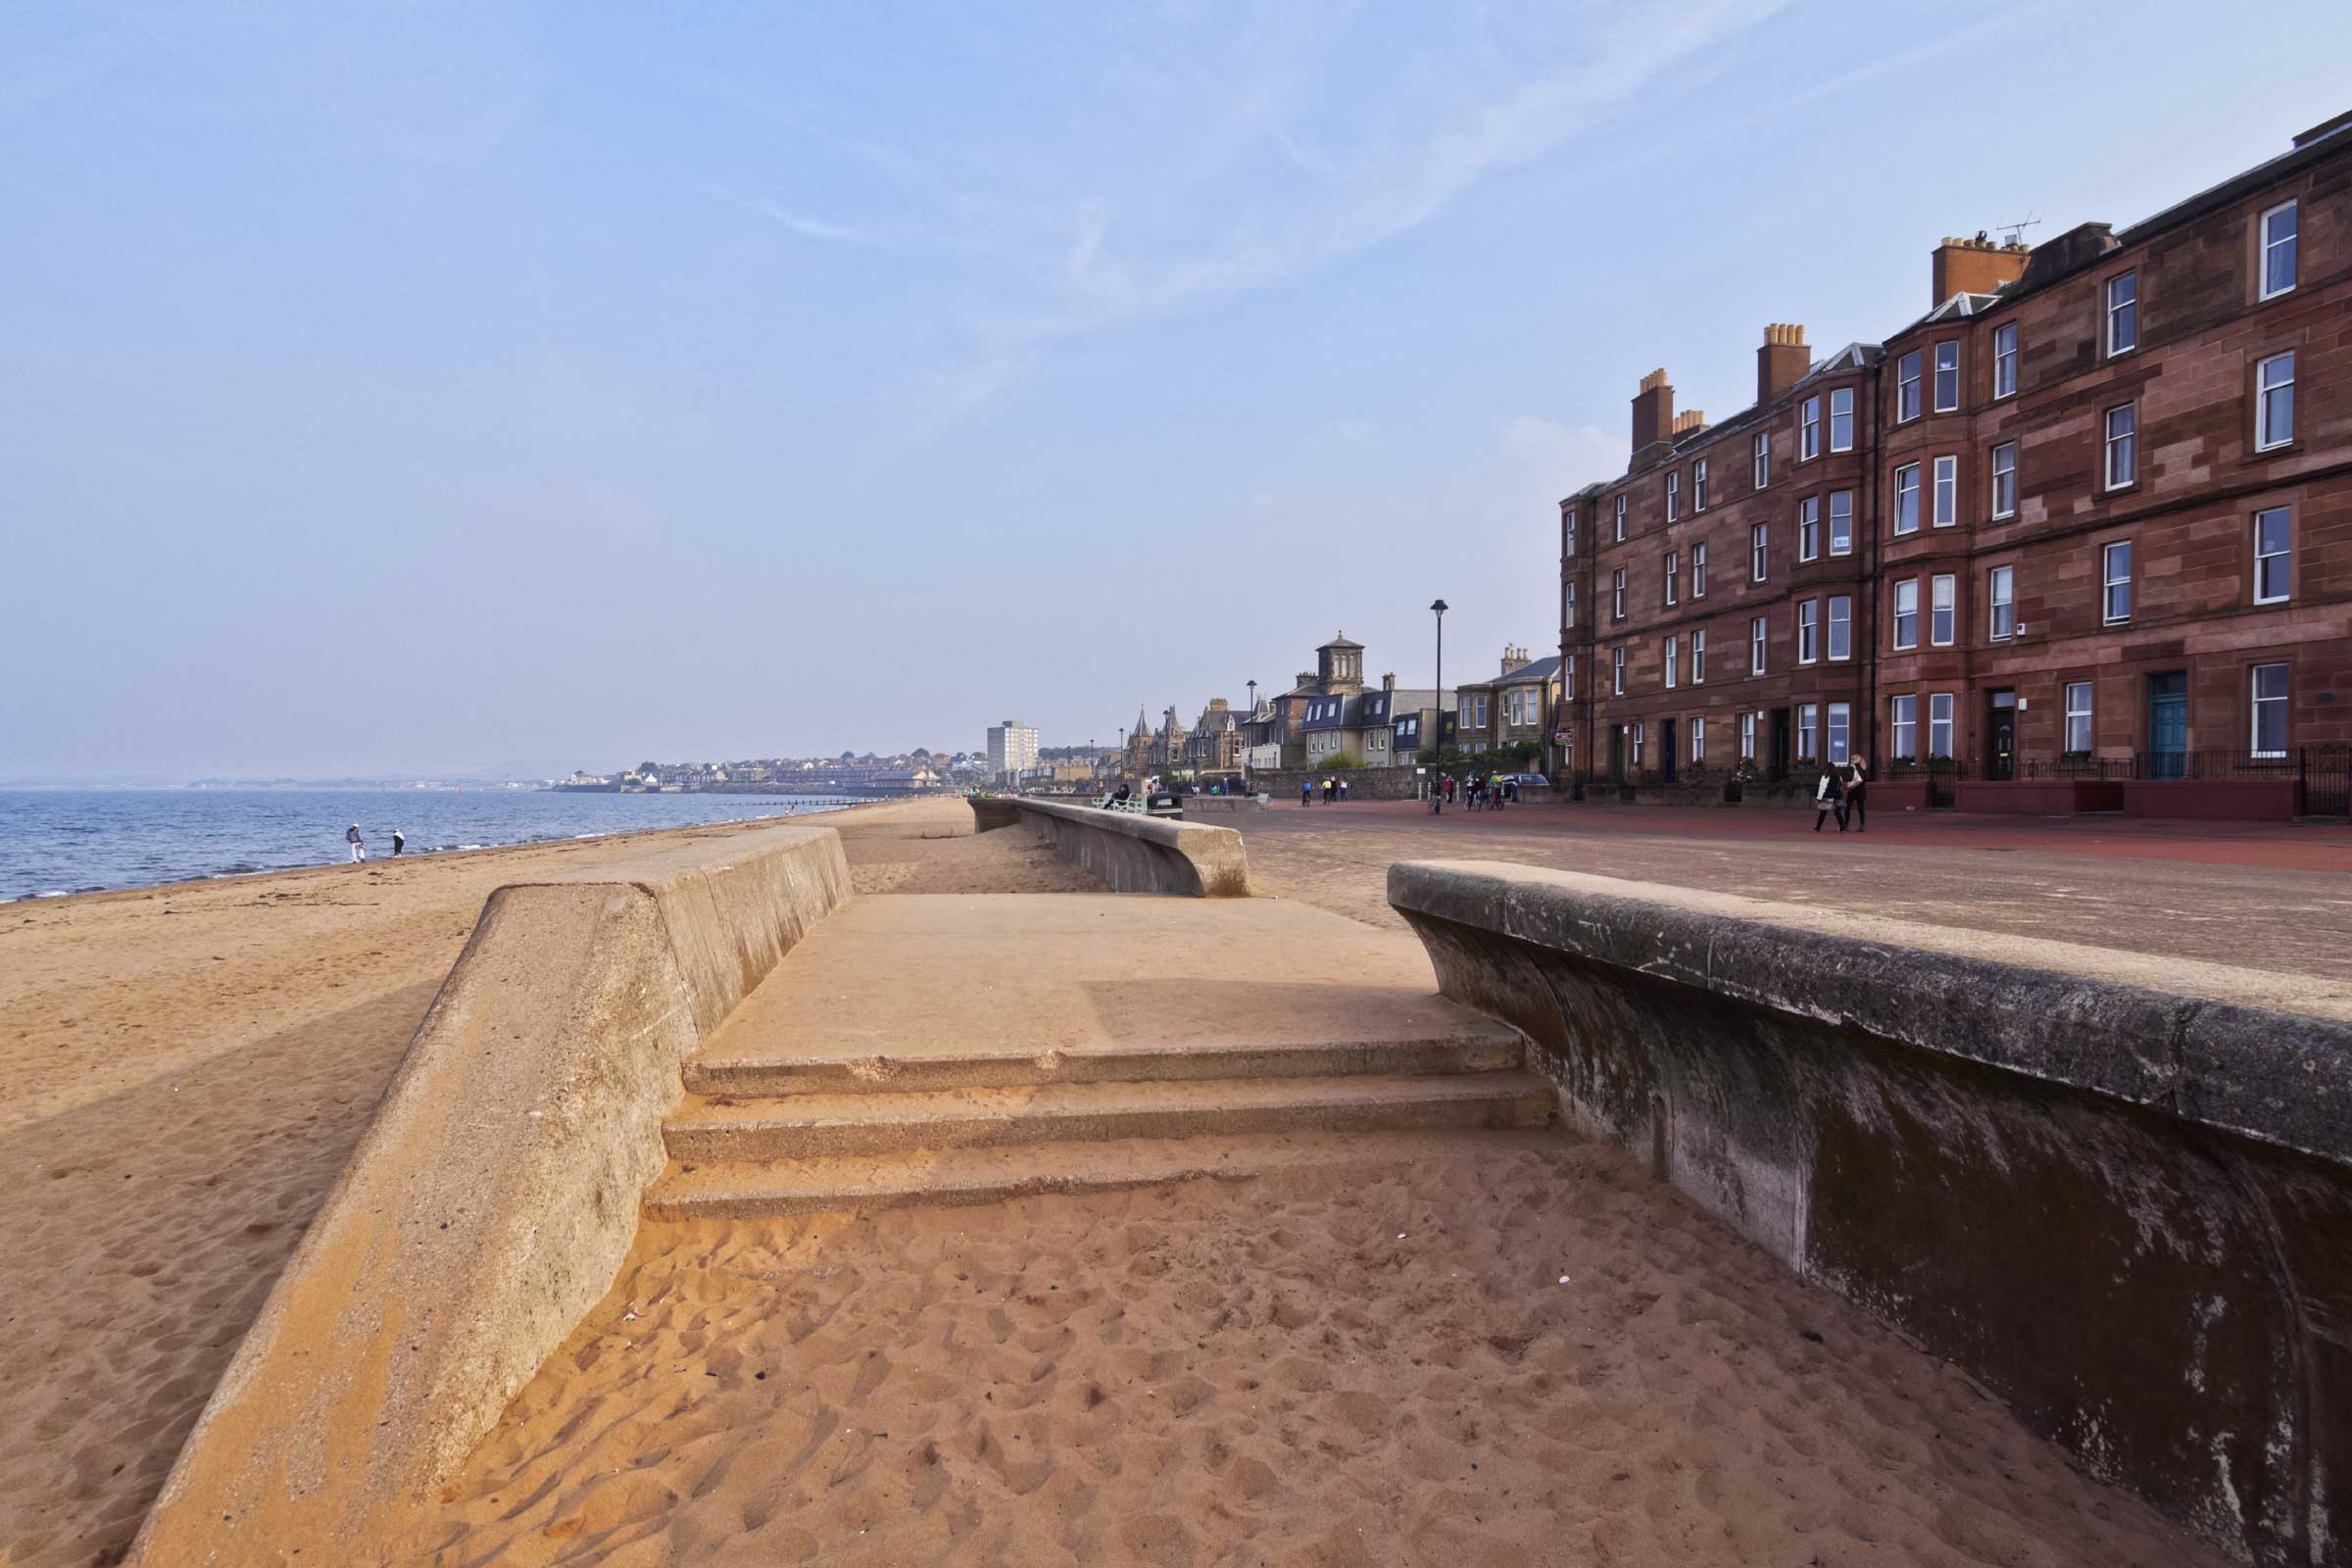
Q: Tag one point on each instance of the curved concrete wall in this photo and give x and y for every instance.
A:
(2127, 1212)
(492, 1199)
(1136, 853)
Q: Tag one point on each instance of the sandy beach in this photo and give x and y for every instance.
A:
(184, 1072)
(1437, 1350)
(1371, 1362)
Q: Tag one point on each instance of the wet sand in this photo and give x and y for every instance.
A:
(1374, 1362)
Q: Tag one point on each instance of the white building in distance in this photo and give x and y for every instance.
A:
(1011, 748)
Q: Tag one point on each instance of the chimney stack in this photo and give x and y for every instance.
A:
(1387, 682)
(1688, 420)
(1781, 361)
(1974, 265)
(1513, 658)
(1653, 418)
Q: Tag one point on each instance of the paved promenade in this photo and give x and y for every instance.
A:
(2262, 897)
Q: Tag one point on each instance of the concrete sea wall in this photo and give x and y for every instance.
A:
(2127, 1212)
(1136, 853)
(492, 1199)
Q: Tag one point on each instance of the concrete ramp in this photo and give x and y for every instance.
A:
(961, 1048)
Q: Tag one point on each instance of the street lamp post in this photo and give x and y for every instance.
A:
(1248, 742)
(1438, 742)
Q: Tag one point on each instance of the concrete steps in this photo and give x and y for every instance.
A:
(841, 1073)
(966, 1176)
(807, 1126)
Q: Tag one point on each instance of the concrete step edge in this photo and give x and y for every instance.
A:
(1422, 1056)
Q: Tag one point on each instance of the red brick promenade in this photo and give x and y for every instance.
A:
(2261, 895)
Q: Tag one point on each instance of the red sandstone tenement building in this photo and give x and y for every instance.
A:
(2085, 529)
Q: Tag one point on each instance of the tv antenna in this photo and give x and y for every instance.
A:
(2015, 233)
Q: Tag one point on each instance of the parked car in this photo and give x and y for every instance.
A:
(1164, 804)
(1529, 781)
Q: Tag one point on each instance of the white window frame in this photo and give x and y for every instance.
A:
(1906, 389)
(1568, 534)
(1674, 662)
(1617, 595)
(1809, 528)
(1946, 496)
(1747, 737)
(1808, 731)
(1842, 627)
(1698, 485)
(2110, 581)
(2004, 480)
(1698, 569)
(2115, 310)
(1759, 638)
(1908, 587)
(1808, 428)
(1620, 520)
(1759, 551)
(1699, 657)
(1838, 736)
(1617, 670)
(1568, 604)
(1842, 540)
(1673, 494)
(1939, 717)
(1672, 571)
(1902, 714)
(1906, 500)
(1943, 609)
(2267, 438)
(2004, 361)
(2082, 691)
(1808, 631)
(1699, 740)
(2128, 444)
(1948, 349)
(2280, 581)
(1759, 459)
(2000, 603)
(1842, 418)
(2256, 702)
(2292, 244)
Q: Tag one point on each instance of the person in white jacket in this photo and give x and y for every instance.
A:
(1827, 797)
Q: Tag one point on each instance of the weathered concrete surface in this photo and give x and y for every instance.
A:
(991, 813)
(1136, 854)
(2126, 1212)
(492, 1199)
(1197, 806)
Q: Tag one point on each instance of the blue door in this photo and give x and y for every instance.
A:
(2168, 725)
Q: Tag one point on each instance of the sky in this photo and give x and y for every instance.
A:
(502, 389)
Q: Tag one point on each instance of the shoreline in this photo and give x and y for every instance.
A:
(817, 805)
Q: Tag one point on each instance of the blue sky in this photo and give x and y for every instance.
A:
(509, 388)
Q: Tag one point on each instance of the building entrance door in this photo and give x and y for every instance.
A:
(2000, 734)
(2168, 725)
(1617, 753)
(1779, 744)
(1666, 729)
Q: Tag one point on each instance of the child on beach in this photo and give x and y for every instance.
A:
(358, 845)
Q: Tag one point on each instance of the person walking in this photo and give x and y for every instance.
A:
(1857, 786)
(400, 842)
(1342, 792)
(358, 845)
(1827, 797)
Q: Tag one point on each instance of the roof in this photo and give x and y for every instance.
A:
(1342, 641)
(1529, 674)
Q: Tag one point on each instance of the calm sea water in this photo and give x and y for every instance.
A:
(54, 842)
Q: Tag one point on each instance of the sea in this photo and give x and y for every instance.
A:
(59, 842)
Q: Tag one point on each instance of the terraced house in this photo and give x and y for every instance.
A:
(2078, 538)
